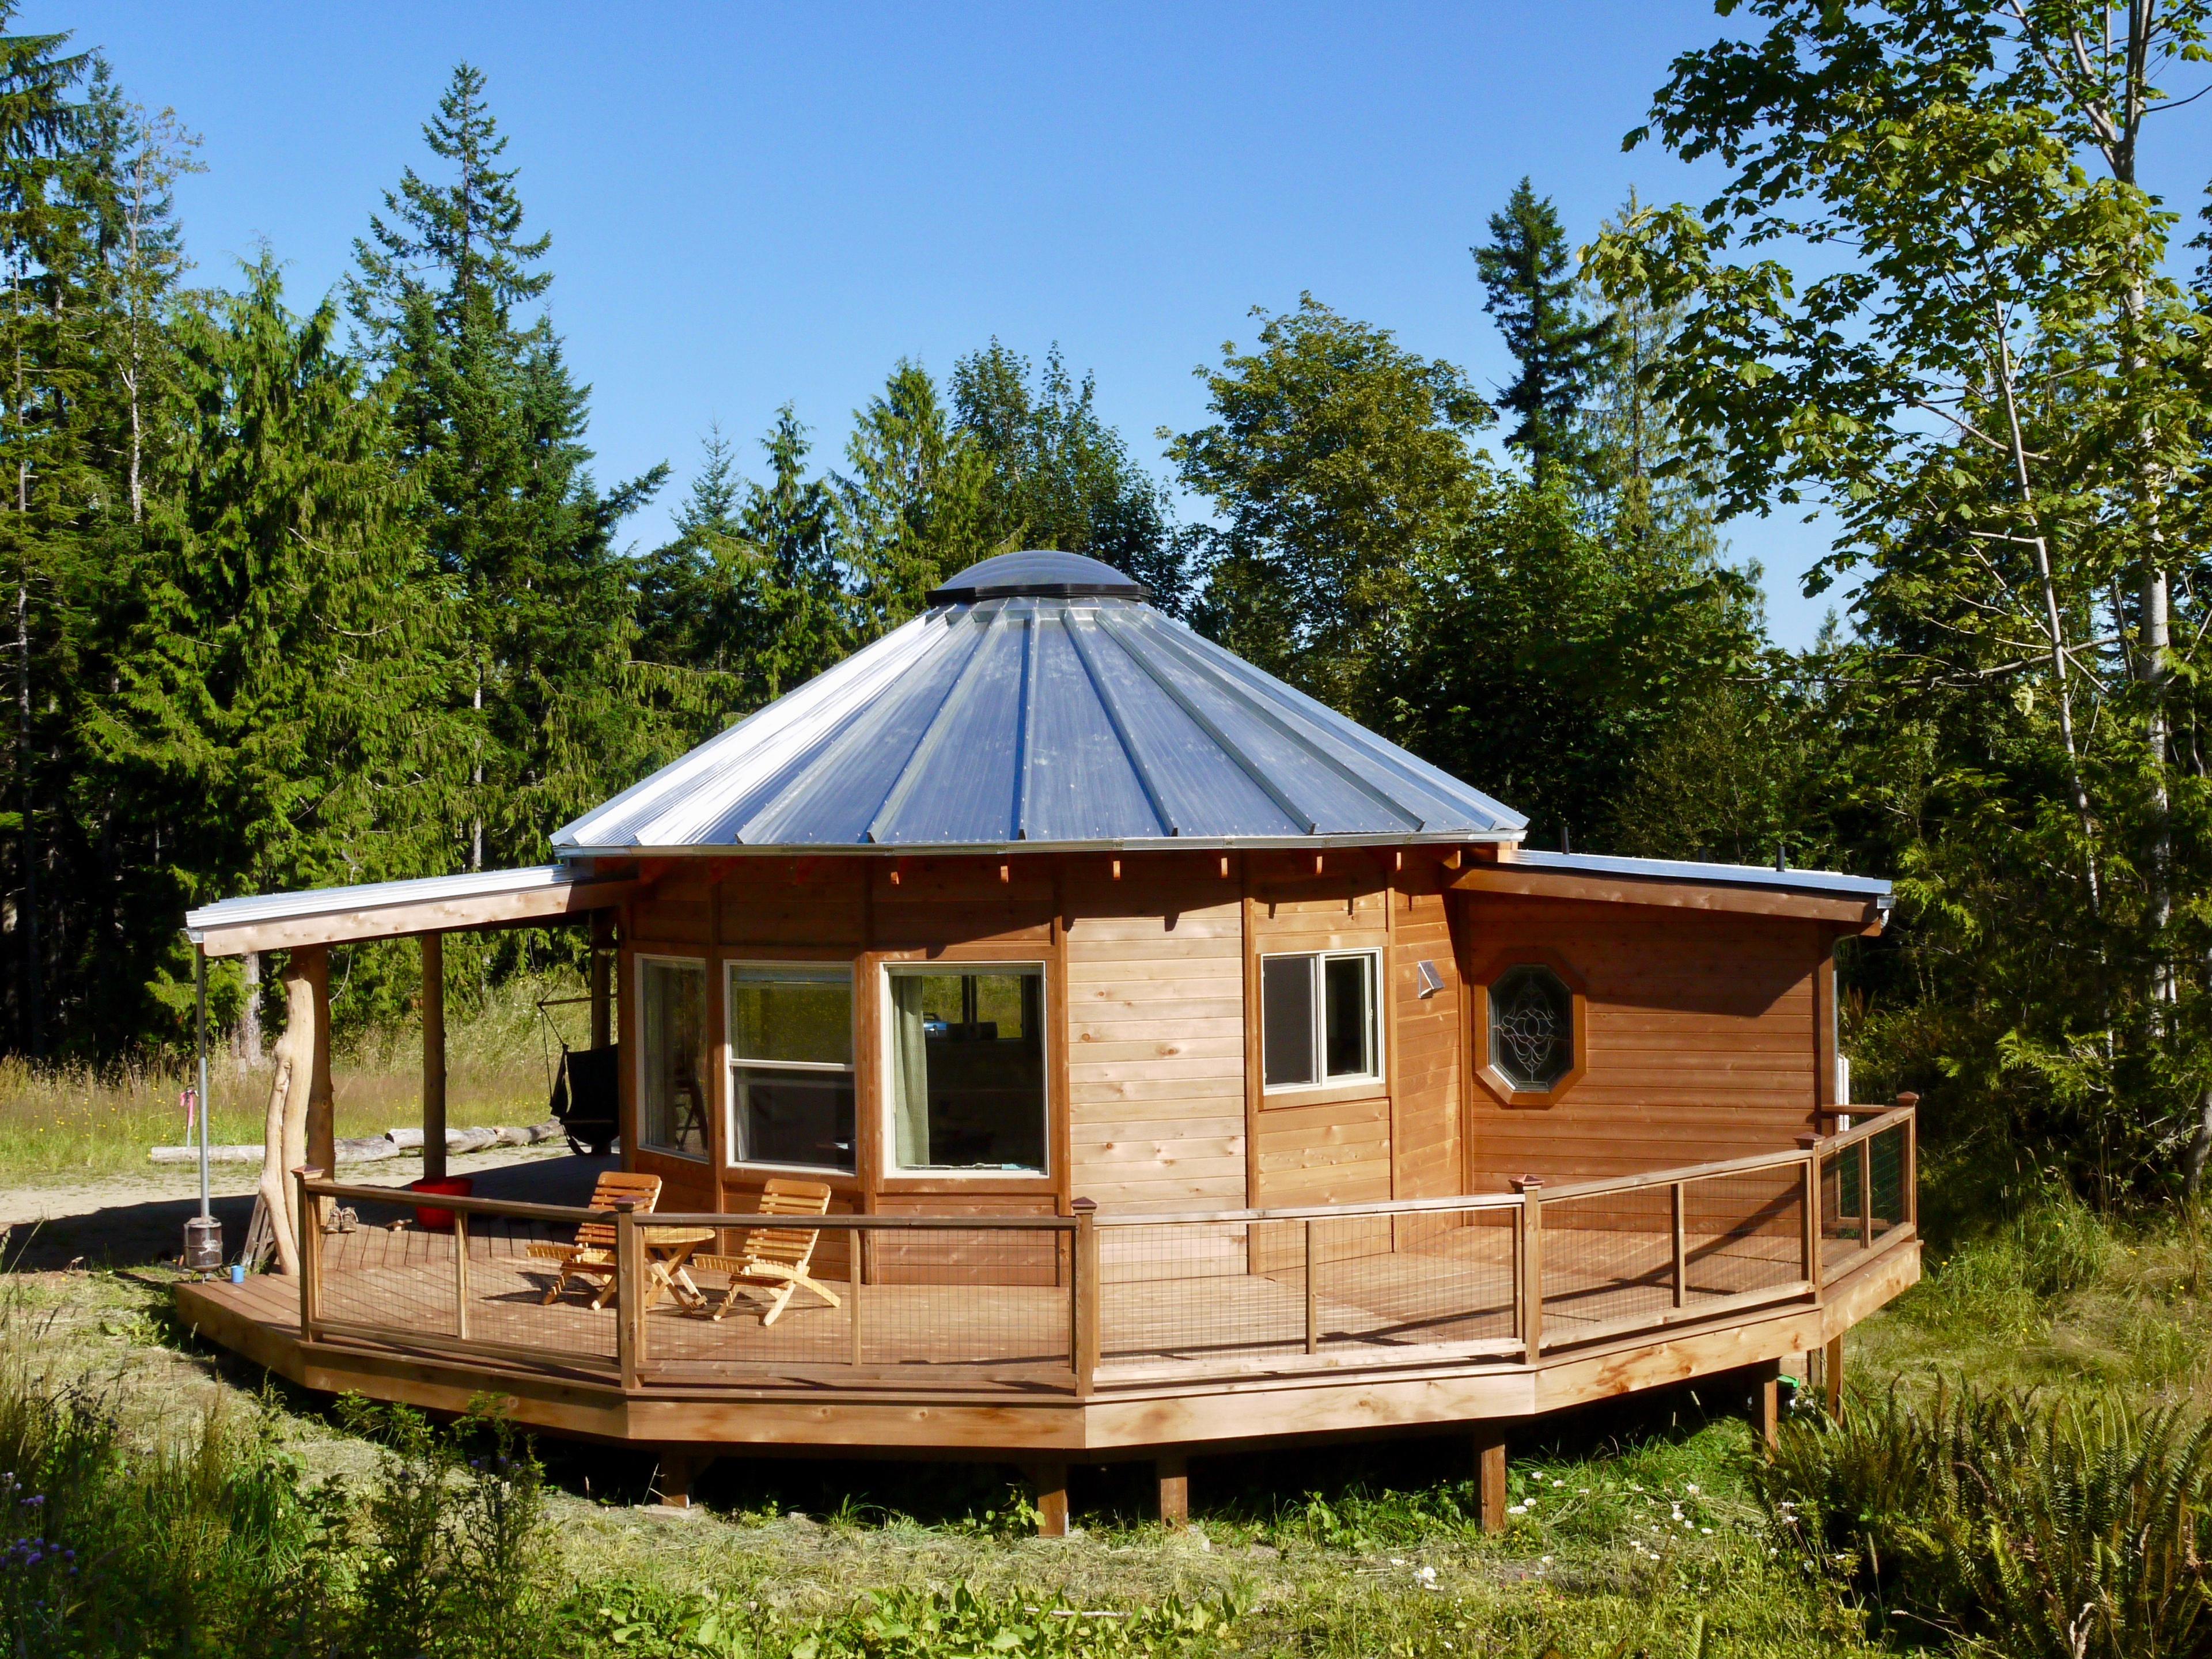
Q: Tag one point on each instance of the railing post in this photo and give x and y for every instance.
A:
(1810, 1198)
(1866, 1194)
(1530, 1233)
(1084, 1289)
(1313, 1298)
(629, 1292)
(311, 1250)
(1681, 1254)
(857, 1240)
(461, 1274)
(1909, 1101)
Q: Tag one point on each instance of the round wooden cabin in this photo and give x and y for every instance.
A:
(1185, 1065)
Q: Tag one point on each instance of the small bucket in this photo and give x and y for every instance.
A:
(439, 1221)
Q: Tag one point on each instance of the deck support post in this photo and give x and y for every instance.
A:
(1529, 1258)
(434, 1056)
(629, 1294)
(1084, 1295)
(1174, 1471)
(1765, 1379)
(1489, 1475)
(678, 1468)
(603, 942)
(1832, 1376)
(1048, 1480)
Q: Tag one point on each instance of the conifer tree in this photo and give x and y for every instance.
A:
(491, 427)
(913, 510)
(1529, 275)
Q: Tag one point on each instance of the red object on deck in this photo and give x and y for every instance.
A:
(440, 1221)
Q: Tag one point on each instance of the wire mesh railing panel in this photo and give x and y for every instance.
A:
(1608, 1258)
(1842, 1232)
(1423, 1279)
(935, 1301)
(515, 1270)
(1888, 1204)
(1202, 1292)
(402, 1280)
(1743, 1232)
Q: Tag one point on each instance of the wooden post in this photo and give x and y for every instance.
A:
(434, 1056)
(461, 1275)
(1767, 1402)
(1531, 1234)
(630, 1293)
(1681, 1252)
(314, 962)
(1810, 1246)
(1831, 1375)
(603, 943)
(678, 1469)
(1174, 1471)
(1083, 1291)
(1866, 1194)
(1049, 1481)
(311, 1251)
(854, 1245)
(1910, 1103)
(1489, 1475)
(1313, 1298)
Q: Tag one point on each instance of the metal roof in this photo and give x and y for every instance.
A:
(1732, 875)
(372, 896)
(1053, 708)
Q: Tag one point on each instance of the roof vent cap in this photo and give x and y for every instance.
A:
(1038, 573)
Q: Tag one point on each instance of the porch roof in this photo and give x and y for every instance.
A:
(387, 910)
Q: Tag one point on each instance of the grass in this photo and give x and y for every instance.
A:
(74, 1123)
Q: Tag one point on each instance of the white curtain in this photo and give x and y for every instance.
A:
(909, 1071)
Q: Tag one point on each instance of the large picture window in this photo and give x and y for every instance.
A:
(967, 1069)
(671, 1083)
(791, 1065)
(1318, 1020)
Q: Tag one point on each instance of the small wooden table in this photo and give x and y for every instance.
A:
(667, 1251)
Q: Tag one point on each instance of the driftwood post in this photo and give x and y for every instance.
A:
(284, 1133)
(314, 962)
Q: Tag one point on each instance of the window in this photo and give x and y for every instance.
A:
(1532, 1027)
(671, 1083)
(1318, 1019)
(967, 1066)
(791, 1065)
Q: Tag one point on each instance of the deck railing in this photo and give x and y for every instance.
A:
(1067, 1304)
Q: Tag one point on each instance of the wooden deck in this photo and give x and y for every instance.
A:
(1096, 1333)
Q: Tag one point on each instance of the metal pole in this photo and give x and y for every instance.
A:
(199, 966)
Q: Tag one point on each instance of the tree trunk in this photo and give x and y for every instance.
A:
(249, 1015)
(284, 1134)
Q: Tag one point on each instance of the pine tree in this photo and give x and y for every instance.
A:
(1528, 273)
(492, 425)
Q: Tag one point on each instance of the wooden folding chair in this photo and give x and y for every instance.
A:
(592, 1254)
(774, 1261)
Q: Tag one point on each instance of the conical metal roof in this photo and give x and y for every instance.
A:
(1041, 704)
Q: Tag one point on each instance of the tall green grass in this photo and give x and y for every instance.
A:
(75, 1121)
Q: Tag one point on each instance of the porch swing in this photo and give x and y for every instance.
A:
(586, 1085)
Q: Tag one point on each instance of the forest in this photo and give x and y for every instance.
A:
(317, 589)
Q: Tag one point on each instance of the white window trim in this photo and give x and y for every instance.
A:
(826, 970)
(892, 1169)
(1348, 1080)
(706, 967)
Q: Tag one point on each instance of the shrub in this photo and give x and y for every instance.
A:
(2079, 1529)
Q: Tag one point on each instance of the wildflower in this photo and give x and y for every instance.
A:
(1516, 1509)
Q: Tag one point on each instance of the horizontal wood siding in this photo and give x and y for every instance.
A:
(1428, 1033)
(1156, 1041)
(1701, 1038)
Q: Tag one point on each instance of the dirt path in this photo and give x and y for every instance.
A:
(134, 1220)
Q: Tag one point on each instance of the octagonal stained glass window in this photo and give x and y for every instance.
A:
(1532, 1027)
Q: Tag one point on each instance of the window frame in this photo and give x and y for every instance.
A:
(895, 1176)
(708, 1042)
(732, 1061)
(1378, 991)
(1504, 1089)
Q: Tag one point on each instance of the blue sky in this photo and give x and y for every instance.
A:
(751, 205)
